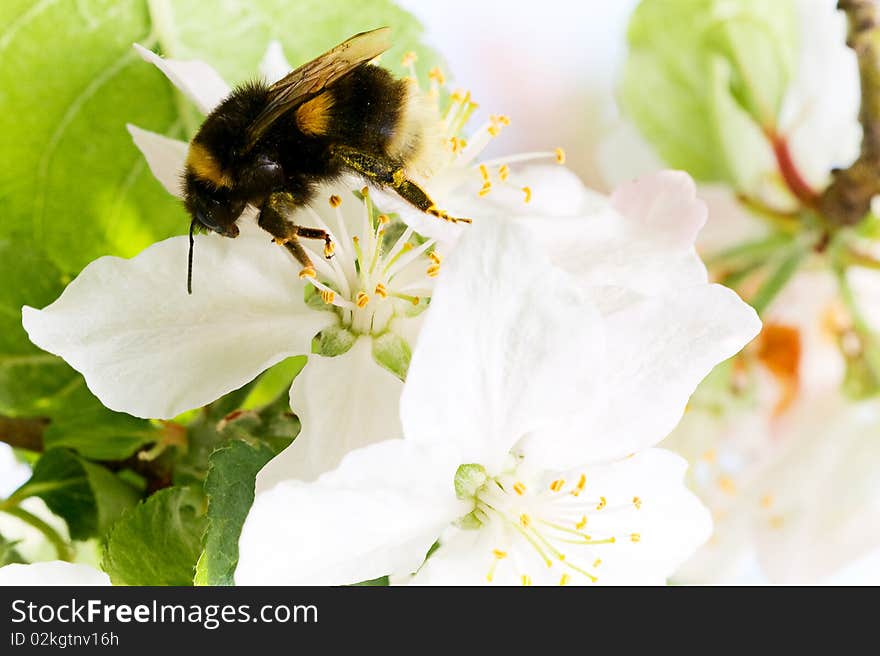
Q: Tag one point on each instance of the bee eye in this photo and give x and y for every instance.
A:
(204, 219)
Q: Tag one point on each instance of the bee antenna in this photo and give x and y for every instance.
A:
(189, 269)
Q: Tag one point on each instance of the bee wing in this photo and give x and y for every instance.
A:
(313, 77)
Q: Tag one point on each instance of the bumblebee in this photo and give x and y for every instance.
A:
(272, 145)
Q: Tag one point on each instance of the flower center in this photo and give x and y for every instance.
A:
(558, 524)
(378, 269)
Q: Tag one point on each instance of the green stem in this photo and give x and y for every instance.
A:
(777, 280)
(62, 547)
(752, 251)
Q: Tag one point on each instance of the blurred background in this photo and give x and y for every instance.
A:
(565, 54)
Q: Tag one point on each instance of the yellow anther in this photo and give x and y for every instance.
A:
(433, 271)
(381, 291)
(407, 247)
(602, 503)
(457, 96)
(709, 456)
(335, 201)
(484, 172)
(409, 58)
(637, 502)
(328, 296)
(356, 240)
(525, 520)
(437, 75)
(494, 130)
(504, 172)
(635, 537)
(383, 219)
(564, 579)
(435, 257)
(560, 156)
(307, 272)
(361, 300)
(329, 249)
(767, 501)
(557, 484)
(500, 119)
(416, 300)
(528, 192)
(526, 579)
(365, 191)
(581, 523)
(487, 187)
(519, 488)
(597, 562)
(499, 554)
(582, 482)
(777, 521)
(726, 484)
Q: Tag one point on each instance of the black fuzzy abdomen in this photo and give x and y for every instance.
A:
(366, 111)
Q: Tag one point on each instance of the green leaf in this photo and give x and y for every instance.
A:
(81, 423)
(29, 378)
(157, 542)
(8, 553)
(230, 490)
(392, 352)
(88, 496)
(705, 78)
(255, 438)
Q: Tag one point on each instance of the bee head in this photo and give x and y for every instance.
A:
(212, 209)
(207, 192)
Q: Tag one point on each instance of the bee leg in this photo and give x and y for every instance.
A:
(273, 220)
(391, 174)
(317, 233)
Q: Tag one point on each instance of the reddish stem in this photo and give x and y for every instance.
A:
(793, 178)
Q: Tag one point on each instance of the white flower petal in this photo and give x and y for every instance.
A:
(196, 80)
(166, 157)
(52, 573)
(641, 241)
(658, 351)
(274, 64)
(464, 558)
(509, 345)
(344, 403)
(147, 348)
(378, 513)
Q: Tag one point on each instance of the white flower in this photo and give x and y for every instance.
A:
(512, 457)
(54, 572)
(798, 496)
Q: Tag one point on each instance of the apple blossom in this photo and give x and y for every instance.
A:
(511, 457)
